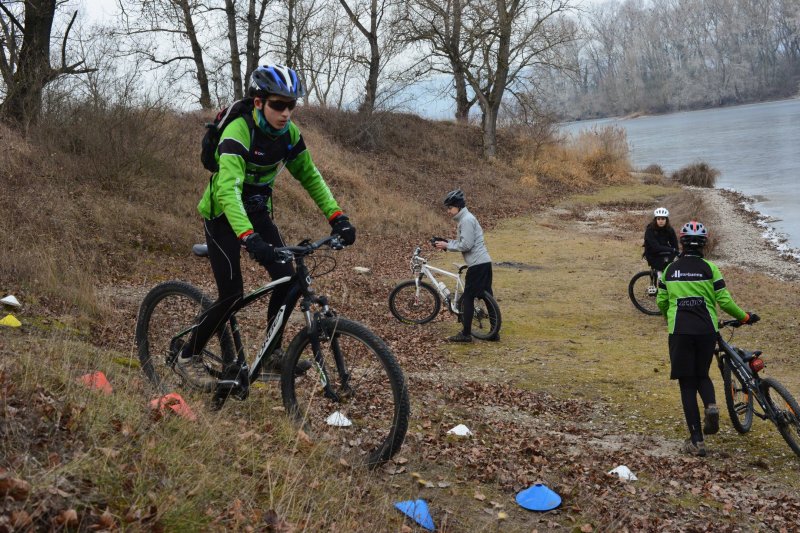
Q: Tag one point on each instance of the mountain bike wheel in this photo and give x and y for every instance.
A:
(486, 320)
(371, 392)
(414, 307)
(642, 293)
(738, 398)
(169, 309)
(787, 412)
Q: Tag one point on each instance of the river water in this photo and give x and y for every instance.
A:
(755, 147)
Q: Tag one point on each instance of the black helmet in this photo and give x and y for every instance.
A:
(694, 234)
(455, 199)
(275, 79)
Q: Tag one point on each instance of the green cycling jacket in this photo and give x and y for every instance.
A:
(254, 160)
(688, 294)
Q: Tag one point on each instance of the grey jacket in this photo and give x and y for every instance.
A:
(469, 239)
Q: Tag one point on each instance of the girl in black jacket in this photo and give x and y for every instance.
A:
(660, 241)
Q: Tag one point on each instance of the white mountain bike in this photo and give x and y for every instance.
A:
(418, 301)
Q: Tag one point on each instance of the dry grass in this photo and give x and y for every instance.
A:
(592, 159)
(222, 472)
(115, 198)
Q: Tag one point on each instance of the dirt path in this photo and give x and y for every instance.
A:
(579, 385)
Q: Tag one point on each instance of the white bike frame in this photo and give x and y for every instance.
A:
(420, 267)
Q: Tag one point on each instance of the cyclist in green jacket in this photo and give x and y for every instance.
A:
(237, 204)
(688, 294)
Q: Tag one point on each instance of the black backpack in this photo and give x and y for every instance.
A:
(240, 108)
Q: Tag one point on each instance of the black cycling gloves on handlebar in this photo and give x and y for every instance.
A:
(261, 251)
(341, 226)
(751, 318)
(434, 240)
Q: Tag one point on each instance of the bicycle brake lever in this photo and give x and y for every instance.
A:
(283, 256)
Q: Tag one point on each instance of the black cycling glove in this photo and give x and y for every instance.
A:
(341, 226)
(259, 250)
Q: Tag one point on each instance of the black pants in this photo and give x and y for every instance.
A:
(224, 250)
(478, 280)
(690, 358)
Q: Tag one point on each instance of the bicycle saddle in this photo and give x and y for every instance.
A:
(747, 356)
(200, 250)
(460, 266)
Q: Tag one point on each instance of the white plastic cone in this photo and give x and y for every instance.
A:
(10, 300)
(339, 420)
(624, 473)
(461, 430)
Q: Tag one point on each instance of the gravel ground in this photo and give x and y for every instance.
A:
(742, 242)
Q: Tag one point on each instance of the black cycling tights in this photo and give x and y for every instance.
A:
(224, 249)
(690, 387)
(478, 279)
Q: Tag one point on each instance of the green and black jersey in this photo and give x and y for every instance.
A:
(256, 160)
(688, 294)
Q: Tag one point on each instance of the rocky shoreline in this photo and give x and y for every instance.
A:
(745, 239)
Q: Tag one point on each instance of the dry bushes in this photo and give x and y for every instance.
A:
(696, 175)
(593, 158)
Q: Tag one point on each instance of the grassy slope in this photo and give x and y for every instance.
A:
(576, 359)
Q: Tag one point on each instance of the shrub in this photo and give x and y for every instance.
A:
(653, 169)
(697, 175)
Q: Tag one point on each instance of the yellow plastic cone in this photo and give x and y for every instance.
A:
(10, 321)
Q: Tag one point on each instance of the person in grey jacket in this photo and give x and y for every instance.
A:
(468, 241)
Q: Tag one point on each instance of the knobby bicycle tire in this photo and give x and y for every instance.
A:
(375, 402)
(411, 307)
(787, 413)
(486, 320)
(166, 310)
(638, 292)
(738, 399)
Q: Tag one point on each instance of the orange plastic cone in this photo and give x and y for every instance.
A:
(96, 381)
(175, 402)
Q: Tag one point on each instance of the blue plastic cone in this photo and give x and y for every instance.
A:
(417, 510)
(538, 498)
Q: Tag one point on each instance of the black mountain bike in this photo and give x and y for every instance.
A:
(643, 289)
(740, 375)
(353, 396)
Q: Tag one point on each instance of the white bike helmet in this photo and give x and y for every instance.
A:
(661, 212)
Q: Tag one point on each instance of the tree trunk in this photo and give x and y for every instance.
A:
(236, 63)
(23, 103)
(368, 105)
(462, 101)
(490, 131)
(290, 62)
(197, 53)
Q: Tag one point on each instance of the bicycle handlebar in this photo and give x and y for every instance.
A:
(737, 323)
(308, 248)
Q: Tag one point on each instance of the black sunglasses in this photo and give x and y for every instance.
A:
(281, 105)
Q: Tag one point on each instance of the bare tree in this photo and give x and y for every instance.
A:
(25, 64)
(327, 57)
(374, 20)
(510, 37)
(173, 18)
(438, 25)
(256, 9)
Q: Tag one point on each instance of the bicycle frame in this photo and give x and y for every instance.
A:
(420, 268)
(236, 378)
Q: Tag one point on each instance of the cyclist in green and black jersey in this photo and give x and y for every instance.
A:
(688, 294)
(237, 204)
